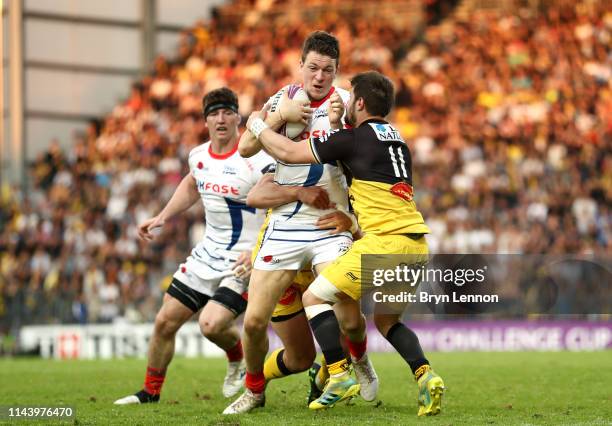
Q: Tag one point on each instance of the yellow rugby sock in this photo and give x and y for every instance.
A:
(274, 367)
(322, 374)
(338, 368)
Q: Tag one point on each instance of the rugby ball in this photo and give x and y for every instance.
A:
(290, 129)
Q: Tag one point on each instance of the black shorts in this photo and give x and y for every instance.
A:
(281, 318)
(195, 300)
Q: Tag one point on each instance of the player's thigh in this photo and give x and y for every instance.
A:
(344, 274)
(290, 303)
(189, 288)
(296, 336)
(172, 315)
(398, 250)
(265, 290)
(320, 267)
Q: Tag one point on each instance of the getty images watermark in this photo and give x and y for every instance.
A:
(500, 284)
(410, 276)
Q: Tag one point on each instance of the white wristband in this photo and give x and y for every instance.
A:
(258, 126)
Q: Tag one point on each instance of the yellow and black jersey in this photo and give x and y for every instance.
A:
(378, 167)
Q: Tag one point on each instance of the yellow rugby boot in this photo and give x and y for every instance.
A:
(431, 388)
(337, 389)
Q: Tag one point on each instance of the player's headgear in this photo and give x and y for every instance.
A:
(219, 98)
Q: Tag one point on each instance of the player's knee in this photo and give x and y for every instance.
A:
(309, 299)
(353, 325)
(385, 322)
(305, 359)
(213, 329)
(254, 325)
(165, 325)
(298, 361)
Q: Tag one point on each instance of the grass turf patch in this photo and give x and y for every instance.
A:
(482, 388)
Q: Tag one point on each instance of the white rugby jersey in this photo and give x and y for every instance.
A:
(325, 175)
(223, 182)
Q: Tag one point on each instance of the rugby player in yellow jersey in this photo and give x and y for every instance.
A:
(377, 164)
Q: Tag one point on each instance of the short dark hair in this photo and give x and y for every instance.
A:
(376, 90)
(323, 43)
(219, 98)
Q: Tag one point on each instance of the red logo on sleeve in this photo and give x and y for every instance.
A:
(403, 190)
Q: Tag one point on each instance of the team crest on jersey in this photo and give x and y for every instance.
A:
(229, 170)
(386, 132)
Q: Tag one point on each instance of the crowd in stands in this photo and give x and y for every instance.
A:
(508, 117)
(510, 123)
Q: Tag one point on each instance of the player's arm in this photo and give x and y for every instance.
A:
(249, 145)
(338, 146)
(268, 194)
(277, 145)
(185, 196)
(290, 110)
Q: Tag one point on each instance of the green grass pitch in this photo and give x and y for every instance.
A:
(482, 388)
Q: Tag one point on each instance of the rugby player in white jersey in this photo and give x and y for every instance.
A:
(291, 240)
(217, 269)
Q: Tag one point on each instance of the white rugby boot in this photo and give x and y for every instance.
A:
(234, 378)
(366, 376)
(246, 402)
